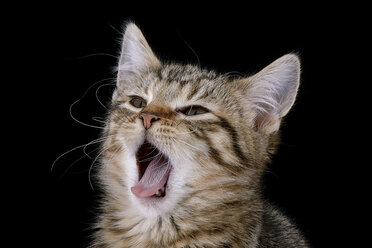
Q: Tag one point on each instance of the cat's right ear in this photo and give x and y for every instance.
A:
(136, 55)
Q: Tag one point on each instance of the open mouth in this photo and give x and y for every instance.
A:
(153, 170)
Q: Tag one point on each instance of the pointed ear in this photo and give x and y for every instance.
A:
(272, 92)
(136, 55)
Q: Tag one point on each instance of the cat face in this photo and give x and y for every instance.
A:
(178, 133)
(178, 115)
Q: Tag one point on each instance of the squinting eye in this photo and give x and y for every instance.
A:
(138, 102)
(193, 110)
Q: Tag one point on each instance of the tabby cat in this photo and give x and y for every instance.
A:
(185, 151)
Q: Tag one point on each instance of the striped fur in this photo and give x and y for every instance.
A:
(214, 190)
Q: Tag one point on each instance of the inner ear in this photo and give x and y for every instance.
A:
(272, 92)
(136, 55)
(266, 122)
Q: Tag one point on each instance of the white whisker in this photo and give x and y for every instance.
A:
(98, 119)
(77, 160)
(63, 154)
(97, 93)
(80, 122)
(70, 110)
(150, 158)
(95, 142)
(194, 147)
(193, 131)
(77, 147)
(92, 165)
(97, 54)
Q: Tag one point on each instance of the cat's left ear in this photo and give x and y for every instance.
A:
(136, 55)
(271, 92)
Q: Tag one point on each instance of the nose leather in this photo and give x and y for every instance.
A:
(148, 119)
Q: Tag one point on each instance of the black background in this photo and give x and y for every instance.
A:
(61, 51)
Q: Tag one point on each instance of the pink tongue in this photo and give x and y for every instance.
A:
(155, 177)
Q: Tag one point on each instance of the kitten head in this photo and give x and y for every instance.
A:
(177, 132)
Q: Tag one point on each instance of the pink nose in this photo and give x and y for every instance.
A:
(148, 119)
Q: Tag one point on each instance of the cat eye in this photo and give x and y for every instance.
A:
(193, 110)
(138, 102)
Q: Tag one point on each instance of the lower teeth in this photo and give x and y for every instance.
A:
(160, 192)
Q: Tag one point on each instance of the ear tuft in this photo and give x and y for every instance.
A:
(136, 54)
(272, 92)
